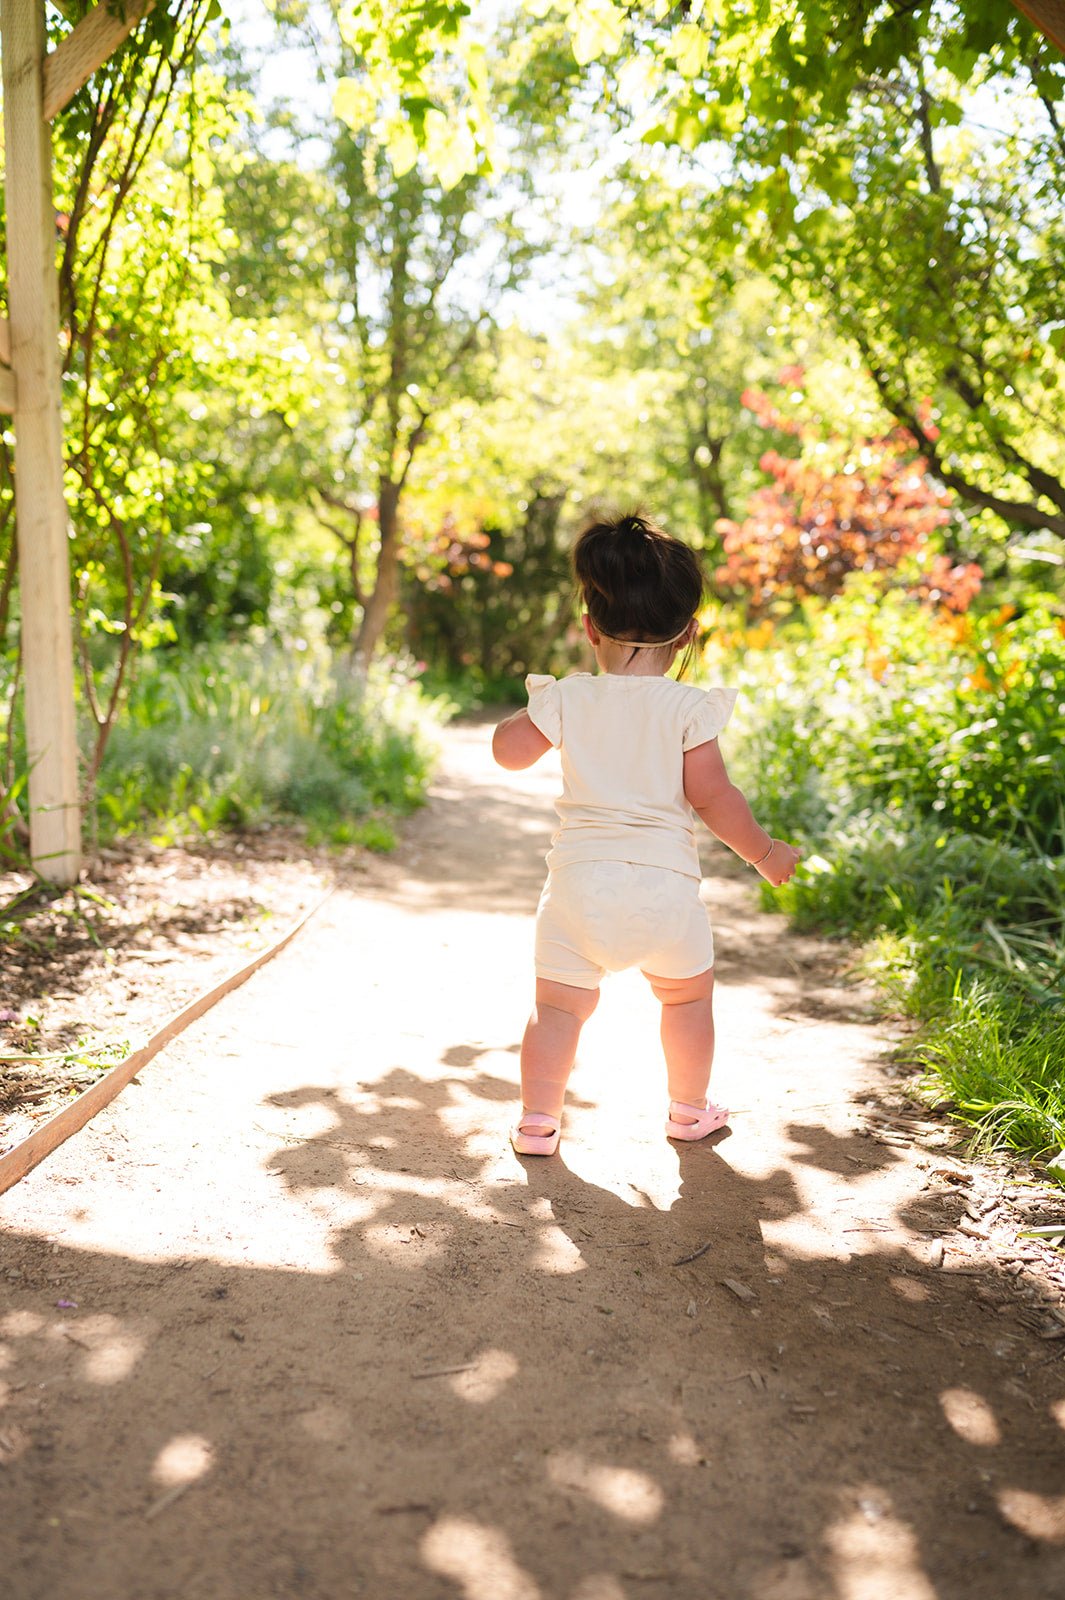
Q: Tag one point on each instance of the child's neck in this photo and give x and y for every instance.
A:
(619, 661)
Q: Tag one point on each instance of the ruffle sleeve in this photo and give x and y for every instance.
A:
(708, 716)
(545, 705)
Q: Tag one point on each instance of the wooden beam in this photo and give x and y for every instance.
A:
(14, 1164)
(8, 391)
(40, 510)
(5, 341)
(1049, 18)
(86, 47)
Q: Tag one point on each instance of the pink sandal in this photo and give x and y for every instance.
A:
(707, 1120)
(542, 1142)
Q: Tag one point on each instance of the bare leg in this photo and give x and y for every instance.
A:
(687, 1034)
(549, 1047)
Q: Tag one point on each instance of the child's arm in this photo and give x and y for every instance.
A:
(710, 792)
(518, 742)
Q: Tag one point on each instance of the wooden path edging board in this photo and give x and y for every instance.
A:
(16, 1163)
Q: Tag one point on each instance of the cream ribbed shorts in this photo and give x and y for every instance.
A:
(603, 916)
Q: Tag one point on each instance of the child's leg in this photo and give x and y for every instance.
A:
(687, 1034)
(549, 1047)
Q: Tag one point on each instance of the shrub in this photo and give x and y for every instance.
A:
(918, 758)
(225, 736)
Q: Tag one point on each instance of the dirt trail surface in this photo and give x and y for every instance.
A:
(290, 1319)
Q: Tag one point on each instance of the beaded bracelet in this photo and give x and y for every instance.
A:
(768, 853)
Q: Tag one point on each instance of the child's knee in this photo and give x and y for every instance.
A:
(579, 1003)
(682, 991)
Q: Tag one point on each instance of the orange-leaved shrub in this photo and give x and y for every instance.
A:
(826, 514)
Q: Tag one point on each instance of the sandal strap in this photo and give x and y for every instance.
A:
(532, 1120)
(708, 1110)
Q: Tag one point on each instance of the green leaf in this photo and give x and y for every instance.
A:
(945, 113)
(691, 48)
(597, 28)
(354, 103)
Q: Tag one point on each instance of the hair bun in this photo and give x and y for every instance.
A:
(636, 581)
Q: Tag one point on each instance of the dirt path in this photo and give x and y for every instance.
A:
(290, 1320)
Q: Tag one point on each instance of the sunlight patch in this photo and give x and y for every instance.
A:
(490, 1374)
(19, 1324)
(183, 1460)
(1040, 1516)
(478, 1559)
(556, 1253)
(970, 1416)
(876, 1554)
(115, 1350)
(599, 1586)
(630, 1495)
(405, 1244)
(327, 1423)
(685, 1451)
(909, 1289)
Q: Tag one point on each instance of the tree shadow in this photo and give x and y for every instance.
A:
(510, 1380)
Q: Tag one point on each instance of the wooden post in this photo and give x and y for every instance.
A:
(41, 512)
(1048, 16)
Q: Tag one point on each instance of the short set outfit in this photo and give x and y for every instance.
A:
(623, 870)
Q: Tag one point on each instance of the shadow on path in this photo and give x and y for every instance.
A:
(820, 1427)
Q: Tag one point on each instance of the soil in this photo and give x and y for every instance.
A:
(89, 973)
(290, 1319)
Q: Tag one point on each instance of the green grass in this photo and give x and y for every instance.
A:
(965, 935)
(932, 819)
(1000, 1067)
(231, 736)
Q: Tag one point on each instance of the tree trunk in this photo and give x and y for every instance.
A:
(386, 577)
(709, 485)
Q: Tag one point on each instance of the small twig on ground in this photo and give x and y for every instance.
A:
(703, 1248)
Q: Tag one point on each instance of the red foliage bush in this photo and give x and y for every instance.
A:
(815, 523)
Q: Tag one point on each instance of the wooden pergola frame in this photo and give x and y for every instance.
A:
(38, 83)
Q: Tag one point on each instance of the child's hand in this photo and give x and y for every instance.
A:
(780, 864)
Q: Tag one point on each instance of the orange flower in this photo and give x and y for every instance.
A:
(976, 682)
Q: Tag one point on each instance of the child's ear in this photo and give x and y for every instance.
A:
(590, 629)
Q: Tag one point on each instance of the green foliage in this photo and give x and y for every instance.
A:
(878, 700)
(999, 1068)
(234, 736)
(981, 752)
(918, 759)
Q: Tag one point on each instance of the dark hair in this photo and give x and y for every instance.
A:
(636, 582)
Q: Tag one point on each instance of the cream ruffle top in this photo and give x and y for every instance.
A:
(622, 740)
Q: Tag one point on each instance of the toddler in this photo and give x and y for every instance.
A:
(640, 761)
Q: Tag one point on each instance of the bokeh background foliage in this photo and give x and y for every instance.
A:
(364, 305)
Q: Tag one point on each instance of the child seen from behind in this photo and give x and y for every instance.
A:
(640, 760)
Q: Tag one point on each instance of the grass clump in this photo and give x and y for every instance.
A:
(997, 1064)
(918, 758)
(232, 736)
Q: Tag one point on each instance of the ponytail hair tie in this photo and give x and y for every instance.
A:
(645, 644)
